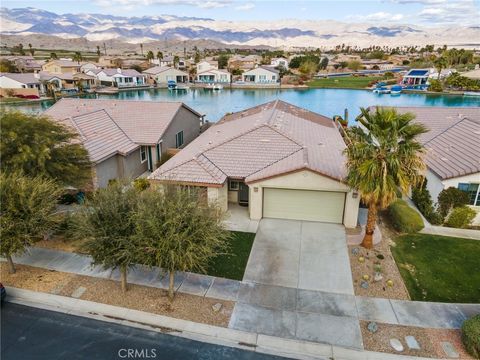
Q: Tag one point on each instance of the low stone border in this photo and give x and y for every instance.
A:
(191, 330)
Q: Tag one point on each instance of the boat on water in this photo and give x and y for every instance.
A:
(213, 87)
(381, 88)
(396, 90)
(471, 93)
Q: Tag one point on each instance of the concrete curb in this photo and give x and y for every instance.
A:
(201, 332)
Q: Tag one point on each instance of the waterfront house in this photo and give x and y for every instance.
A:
(118, 77)
(61, 66)
(416, 79)
(261, 75)
(240, 62)
(277, 160)
(206, 65)
(166, 61)
(161, 75)
(125, 139)
(214, 76)
(280, 61)
(26, 84)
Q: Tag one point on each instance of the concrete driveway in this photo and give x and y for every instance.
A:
(300, 254)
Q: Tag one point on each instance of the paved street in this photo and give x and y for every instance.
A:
(30, 333)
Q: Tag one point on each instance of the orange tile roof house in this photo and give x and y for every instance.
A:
(453, 149)
(125, 139)
(280, 160)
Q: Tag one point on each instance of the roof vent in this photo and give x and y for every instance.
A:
(321, 144)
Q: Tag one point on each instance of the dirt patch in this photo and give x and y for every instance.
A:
(32, 278)
(143, 298)
(60, 243)
(428, 339)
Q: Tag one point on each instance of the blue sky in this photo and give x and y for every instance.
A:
(422, 12)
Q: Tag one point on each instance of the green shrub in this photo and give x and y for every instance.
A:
(471, 336)
(141, 184)
(435, 218)
(435, 85)
(404, 218)
(460, 217)
(451, 198)
(422, 199)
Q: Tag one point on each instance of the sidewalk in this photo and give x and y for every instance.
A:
(274, 298)
(206, 333)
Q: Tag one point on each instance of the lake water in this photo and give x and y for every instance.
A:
(327, 102)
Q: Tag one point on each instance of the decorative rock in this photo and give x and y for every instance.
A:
(78, 292)
(361, 259)
(216, 307)
(377, 277)
(365, 277)
(450, 350)
(372, 327)
(380, 257)
(412, 343)
(396, 345)
(390, 283)
(355, 251)
(364, 284)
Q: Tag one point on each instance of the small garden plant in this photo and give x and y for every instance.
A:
(471, 336)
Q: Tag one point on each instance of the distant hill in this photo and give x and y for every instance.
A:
(287, 33)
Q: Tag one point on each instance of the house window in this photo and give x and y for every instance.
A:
(143, 154)
(233, 185)
(473, 191)
(179, 139)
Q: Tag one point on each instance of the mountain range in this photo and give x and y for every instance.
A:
(285, 33)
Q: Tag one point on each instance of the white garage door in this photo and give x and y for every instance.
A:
(303, 205)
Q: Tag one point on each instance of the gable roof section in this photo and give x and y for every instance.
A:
(144, 122)
(264, 141)
(25, 78)
(100, 135)
(453, 139)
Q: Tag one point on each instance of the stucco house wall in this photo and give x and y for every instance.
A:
(133, 167)
(184, 120)
(105, 171)
(170, 75)
(218, 196)
(306, 180)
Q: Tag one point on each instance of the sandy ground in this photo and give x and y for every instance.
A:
(184, 306)
(59, 243)
(379, 258)
(428, 339)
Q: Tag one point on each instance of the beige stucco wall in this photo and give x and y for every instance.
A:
(218, 196)
(306, 180)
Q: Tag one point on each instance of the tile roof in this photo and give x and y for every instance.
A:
(124, 72)
(453, 139)
(66, 63)
(101, 135)
(159, 69)
(144, 122)
(25, 78)
(260, 142)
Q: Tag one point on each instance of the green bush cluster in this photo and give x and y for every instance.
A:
(422, 199)
(404, 218)
(141, 184)
(436, 85)
(451, 198)
(460, 217)
(471, 336)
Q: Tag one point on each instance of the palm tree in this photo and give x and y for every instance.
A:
(32, 51)
(98, 51)
(77, 57)
(176, 60)
(440, 64)
(53, 56)
(159, 55)
(383, 155)
(150, 55)
(141, 49)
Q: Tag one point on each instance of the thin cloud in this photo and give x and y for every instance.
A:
(210, 4)
(378, 16)
(245, 7)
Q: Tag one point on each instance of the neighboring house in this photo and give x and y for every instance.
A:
(453, 149)
(416, 79)
(206, 65)
(166, 61)
(162, 75)
(244, 62)
(214, 76)
(127, 138)
(20, 84)
(275, 62)
(261, 75)
(118, 77)
(66, 81)
(109, 61)
(23, 63)
(61, 66)
(84, 67)
(276, 159)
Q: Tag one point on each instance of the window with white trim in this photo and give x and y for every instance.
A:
(473, 191)
(143, 154)
(179, 139)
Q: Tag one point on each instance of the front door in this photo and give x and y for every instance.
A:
(243, 194)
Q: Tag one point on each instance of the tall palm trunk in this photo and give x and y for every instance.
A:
(370, 227)
(123, 274)
(171, 284)
(11, 265)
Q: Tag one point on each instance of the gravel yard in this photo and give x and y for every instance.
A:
(143, 298)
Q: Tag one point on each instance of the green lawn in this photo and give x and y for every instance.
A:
(438, 268)
(232, 265)
(352, 82)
